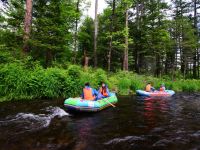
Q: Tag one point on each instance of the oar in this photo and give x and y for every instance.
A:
(109, 103)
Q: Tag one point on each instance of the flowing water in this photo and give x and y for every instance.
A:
(136, 124)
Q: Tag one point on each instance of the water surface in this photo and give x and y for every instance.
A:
(136, 123)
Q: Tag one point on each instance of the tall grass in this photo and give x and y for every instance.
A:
(17, 82)
(24, 81)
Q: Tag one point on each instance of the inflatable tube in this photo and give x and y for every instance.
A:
(166, 93)
(79, 104)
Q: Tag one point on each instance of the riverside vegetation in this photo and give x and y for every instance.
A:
(26, 80)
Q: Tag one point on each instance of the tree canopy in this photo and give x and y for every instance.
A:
(144, 36)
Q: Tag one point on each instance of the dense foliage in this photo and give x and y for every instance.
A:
(162, 37)
(152, 37)
(25, 80)
(147, 37)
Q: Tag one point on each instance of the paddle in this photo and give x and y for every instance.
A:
(109, 103)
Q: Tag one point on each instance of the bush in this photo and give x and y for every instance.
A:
(6, 57)
(136, 84)
(124, 86)
(12, 78)
(31, 81)
(74, 71)
(17, 82)
(189, 86)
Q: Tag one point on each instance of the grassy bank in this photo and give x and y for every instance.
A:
(20, 81)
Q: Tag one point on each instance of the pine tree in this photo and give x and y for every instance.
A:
(80, 6)
(27, 25)
(95, 33)
(195, 6)
(85, 38)
(185, 38)
(51, 37)
(11, 23)
(150, 36)
(111, 36)
(125, 60)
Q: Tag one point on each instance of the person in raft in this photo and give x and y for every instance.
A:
(162, 87)
(89, 93)
(149, 88)
(103, 91)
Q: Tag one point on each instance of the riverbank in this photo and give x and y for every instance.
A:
(19, 81)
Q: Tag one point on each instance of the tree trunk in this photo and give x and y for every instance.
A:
(111, 31)
(125, 62)
(158, 66)
(27, 25)
(136, 56)
(180, 40)
(196, 33)
(139, 56)
(109, 53)
(48, 58)
(86, 60)
(198, 64)
(76, 30)
(95, 33)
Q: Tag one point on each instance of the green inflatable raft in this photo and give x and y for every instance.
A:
(79, 104)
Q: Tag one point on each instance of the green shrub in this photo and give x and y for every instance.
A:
(113, 83)
(6, 57)
(24, 80)
(13, 80)
(124, 86)
(136, 84)
(74, 71)
(87, 76)
(177, 86)
(17, 82)
(100, 76)
(189, 86)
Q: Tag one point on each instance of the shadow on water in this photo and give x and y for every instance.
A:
(136, 123)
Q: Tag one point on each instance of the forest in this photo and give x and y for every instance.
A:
(47, 43)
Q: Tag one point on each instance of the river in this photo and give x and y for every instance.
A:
(136, 123)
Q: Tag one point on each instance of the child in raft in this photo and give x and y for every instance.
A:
(103, 91)
(149, 88)
(89, 93)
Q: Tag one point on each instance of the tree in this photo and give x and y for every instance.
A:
(27, 24)
(11, 27)
(132, 35)
(125, 61)
(195, 5)
(76, 29)
(80, 5)
(51, 38)
(185, 38)
(95, 33)
(150, 35)
(85, 36)
(111, 36)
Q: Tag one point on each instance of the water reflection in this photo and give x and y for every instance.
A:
(153, 107)
(85, 130)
